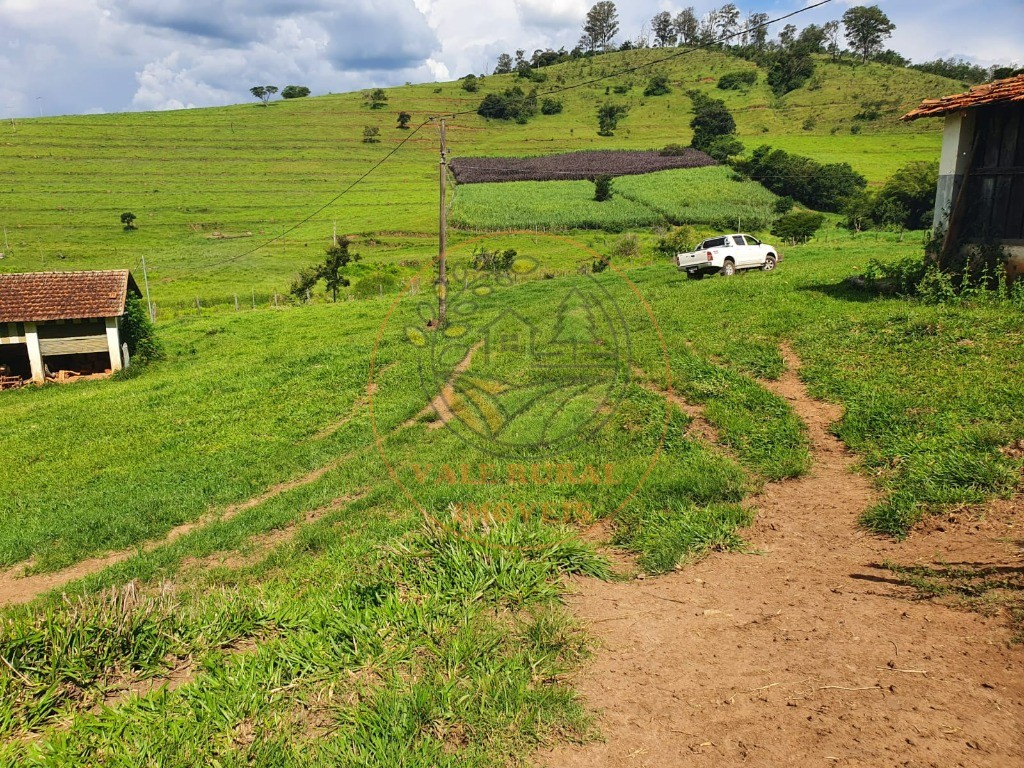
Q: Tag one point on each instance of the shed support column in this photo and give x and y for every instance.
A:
(114, 344)
(957, 139)
(35, 354)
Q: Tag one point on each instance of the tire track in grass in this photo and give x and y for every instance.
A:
(18, 587)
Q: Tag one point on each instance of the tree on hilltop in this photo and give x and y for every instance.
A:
(601, 27)
(263, 92)
(376, 98)
(294, 92)
(867, 28)
(664, 30)
(686, 26)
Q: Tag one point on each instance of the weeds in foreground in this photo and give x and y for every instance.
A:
(441, 649)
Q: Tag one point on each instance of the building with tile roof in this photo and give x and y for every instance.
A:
(62, 321)
(980, 195)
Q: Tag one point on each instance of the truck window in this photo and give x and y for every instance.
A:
(715, 242)
(752, 240)
(738, 239)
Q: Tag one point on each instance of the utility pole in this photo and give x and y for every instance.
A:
(149, 299)
(442, 250)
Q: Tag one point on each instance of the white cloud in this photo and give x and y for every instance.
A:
(552, 14)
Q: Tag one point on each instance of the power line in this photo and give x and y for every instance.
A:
(326, 205)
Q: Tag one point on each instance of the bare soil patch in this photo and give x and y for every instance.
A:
(806, 651)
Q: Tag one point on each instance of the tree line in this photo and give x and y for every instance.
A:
(865, 30)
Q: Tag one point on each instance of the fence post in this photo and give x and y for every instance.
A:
(199, 307)
(275, 299)
(254, 298)
(236, 302)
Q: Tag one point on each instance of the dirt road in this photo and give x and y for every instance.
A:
(805, 652)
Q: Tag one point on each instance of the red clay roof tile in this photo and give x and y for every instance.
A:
(996, 92)
(40, 296)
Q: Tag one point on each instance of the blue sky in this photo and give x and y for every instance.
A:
(79, 56)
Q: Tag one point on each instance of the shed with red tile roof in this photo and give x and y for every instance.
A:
(62, 321)
(980, 194)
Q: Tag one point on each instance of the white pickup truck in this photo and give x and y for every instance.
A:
(726, 255)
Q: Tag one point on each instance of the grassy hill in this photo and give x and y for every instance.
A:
(210, 185)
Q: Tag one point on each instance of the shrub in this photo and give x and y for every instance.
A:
(621, 89)
(783, 205)
(375, 284)
(510, 104)
(674, 150)
(603, 188)
(711, 120)
(900, 277)
(678, 240)
(403, 120)
(627, 247)
(608, 116)
(788, 70)
(825, 187)
(371, 134)
(376, 98)
(799, 226)
(734, 81)
(138, 333)
(494, 261)
(954, 69)
(721, 148)
(550, 106)
(470, 84)
(912, 187)
(294, 92)
(600, 265)
(657, 86)
(128, 220)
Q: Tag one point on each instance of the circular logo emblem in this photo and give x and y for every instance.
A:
(514, 407)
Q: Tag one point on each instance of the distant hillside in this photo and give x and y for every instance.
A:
(200, 181)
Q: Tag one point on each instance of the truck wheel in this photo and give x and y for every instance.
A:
(694, 275)
(769, 264)
(729, 268)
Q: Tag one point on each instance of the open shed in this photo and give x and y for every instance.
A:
(980, 195)
(62, 321)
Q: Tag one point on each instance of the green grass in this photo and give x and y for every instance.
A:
(546, 205)
(708, 196)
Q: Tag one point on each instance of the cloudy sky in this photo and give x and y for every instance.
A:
(78, 56)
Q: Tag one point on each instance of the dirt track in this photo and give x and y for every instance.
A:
(805, 652)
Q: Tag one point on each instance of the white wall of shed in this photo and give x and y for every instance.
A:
(114, 344)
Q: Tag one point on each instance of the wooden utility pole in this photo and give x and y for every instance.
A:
(149, 298)
(442, 249)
